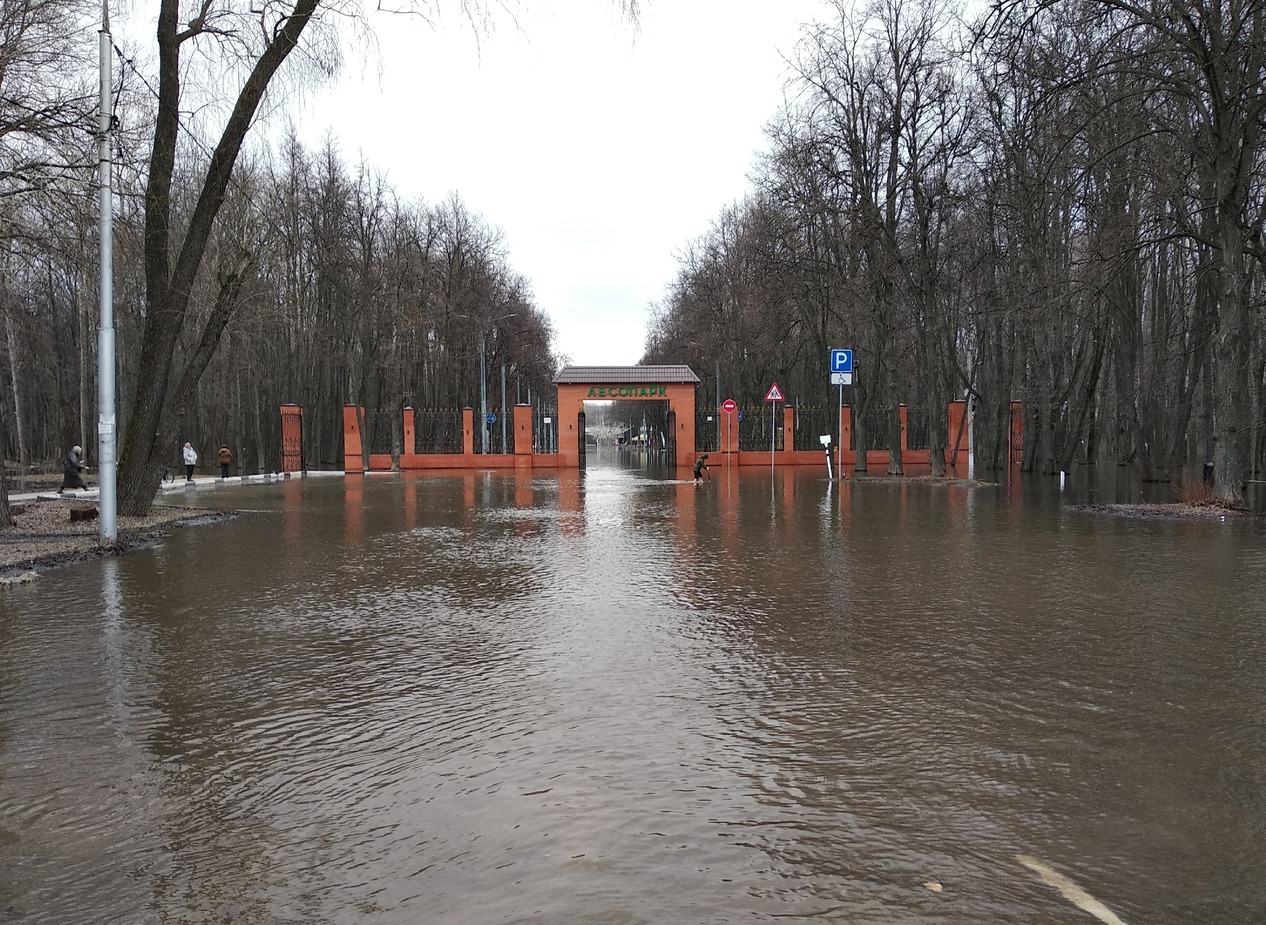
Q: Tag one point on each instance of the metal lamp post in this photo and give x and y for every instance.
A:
(483, 390)
(107, 466)
(483, 387)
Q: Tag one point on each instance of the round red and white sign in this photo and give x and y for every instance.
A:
(729, 406)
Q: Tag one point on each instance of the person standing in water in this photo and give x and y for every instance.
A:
(701, 466)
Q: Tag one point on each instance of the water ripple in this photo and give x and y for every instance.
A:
(476, 698)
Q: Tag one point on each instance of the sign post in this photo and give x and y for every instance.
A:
(773, 396)
(729, 406)
(841, 375)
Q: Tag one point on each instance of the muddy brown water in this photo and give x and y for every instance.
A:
(613, 697)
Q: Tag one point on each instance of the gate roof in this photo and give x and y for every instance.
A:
(601, 375)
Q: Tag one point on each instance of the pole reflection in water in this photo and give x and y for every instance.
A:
(616, 696)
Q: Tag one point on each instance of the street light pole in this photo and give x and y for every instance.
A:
(483, 378)
(483, 389)
(107, 441)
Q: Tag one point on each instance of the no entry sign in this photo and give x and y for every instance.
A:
(729, 406)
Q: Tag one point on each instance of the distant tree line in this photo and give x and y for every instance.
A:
(322, 286)
(350, 295)
(1060, 203)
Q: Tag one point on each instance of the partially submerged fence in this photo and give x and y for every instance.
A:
(528, 437)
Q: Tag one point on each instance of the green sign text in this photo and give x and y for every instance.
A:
(628, 391)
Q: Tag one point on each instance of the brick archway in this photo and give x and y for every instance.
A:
(579, 384)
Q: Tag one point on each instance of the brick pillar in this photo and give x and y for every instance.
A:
(901, 413)
(352, 459)
(956, 423)
(847, 456)
(468, 432)
(291, 438)
(1015, 441)
(410, 442)
(522, 430)
(788, 428)
(729, 433)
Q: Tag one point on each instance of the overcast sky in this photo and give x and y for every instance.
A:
(599, 150)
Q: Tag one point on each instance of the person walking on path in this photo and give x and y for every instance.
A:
(701, 466)
(72, 467)
(225, 456)
(190, 456)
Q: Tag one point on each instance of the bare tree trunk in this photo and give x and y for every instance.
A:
(143, 483)
(1231, 384)
(156, 409)
(15, 388)
(6, 515)
(260, 462)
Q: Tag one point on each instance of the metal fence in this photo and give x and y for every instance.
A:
(811, 423)
(437, 431)
(378, 430)
(754, 430)
(917, 430)
(500, 431)
(545, 429)
(440, 430)
(706, 430)
(876, 427)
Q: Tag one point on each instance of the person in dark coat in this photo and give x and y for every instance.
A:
(72, 468)
(225, 457)
(701, 466)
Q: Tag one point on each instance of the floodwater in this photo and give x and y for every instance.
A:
(615, 697)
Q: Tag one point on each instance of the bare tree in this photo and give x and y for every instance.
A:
(173, 260)
(1204, 61)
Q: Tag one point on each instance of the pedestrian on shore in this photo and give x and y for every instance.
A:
(225, 456)
(701, 466)
(72, 467)
(190, 456)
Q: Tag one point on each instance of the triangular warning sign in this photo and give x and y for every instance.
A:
(773, 394)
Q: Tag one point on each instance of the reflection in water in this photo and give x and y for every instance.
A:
(616, 696)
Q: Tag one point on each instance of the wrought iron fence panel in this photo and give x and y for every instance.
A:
(706, 430)
(544, 429)
(876, 432)
(437, 430)
(379, 423)
(917, 437)
(754, 430)
(811, 423)
(501, 433)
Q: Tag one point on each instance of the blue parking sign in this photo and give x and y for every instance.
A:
(841, 360)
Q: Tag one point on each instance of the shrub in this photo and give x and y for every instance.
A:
(1195, 492)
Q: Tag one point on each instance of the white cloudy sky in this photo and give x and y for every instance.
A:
(599, 150)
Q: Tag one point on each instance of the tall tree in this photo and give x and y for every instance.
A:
(1205, 60)
(173, 259)
(45, 127)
